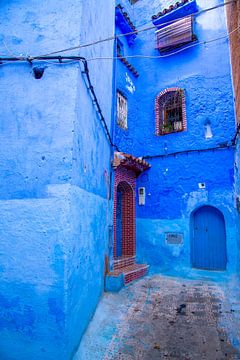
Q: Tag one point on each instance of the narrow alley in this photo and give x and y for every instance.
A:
(162, 317)
(120, 180)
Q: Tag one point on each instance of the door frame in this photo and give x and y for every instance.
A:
(192, 232)
(128, 219)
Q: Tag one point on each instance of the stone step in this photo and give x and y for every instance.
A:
(123, 261)
(116, 279)
(131, 272)
(134, 272)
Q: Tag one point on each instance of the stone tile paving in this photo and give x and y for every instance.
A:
(161, 317)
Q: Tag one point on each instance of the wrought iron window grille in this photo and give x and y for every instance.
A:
(170, 112)
(122, 111)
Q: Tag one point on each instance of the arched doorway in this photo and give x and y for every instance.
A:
(208, 245)
(125, 221)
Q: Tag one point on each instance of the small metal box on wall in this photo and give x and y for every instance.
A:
(174, 238)
(141, 196)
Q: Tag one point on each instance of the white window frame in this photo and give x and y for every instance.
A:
(122, 111)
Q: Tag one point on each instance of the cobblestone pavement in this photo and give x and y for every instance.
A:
(162, 318)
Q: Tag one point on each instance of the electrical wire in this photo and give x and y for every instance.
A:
(96, 103)
(66, 60)
(196, 13)
(8, 50)
(224, 146)
(74, 62)
(73, 59)
(136, 31)
(169, 54)
(76, 58)
(234, 140)
(158, 156)
(7, 62)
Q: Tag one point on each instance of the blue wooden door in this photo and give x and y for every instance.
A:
(119, 224)
(209, 239)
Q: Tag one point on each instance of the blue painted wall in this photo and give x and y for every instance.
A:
(237, 192)
(172, 191)
(55, 209)
(55, 172)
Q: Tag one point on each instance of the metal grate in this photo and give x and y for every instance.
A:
(171, 114)
(174, 238)
(122, 111)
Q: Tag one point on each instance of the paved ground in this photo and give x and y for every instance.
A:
(164, 318)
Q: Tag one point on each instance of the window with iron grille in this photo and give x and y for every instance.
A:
(177, 34)
(122, 111)
(170, 111)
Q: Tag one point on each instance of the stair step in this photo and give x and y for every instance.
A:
(123, 262)
(131, 272)
(137, 271)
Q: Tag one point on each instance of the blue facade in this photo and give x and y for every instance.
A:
(208, 239)
(56, 176)
(237, 191)
(55, 171)
(172, 183)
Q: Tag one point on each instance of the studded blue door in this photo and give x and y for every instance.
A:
(119, 224)
(209, 239)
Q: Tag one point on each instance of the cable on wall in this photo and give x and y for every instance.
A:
(125, 34)
(220, 147)
(71, 59)
(234, 140)
(136, 31)
(65, 60)
(76, 58)
(96, 103)
(167, 55)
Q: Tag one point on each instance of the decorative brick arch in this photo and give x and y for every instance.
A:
(159, 105)
(127, 169)
(125, 183)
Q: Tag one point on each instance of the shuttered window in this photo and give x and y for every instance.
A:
(178, 33)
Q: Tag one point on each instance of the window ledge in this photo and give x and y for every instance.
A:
(170, 132)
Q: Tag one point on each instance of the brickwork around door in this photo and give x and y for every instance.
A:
(233, 16)
(125, 181)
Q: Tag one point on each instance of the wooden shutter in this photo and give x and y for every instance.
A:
(177, 33)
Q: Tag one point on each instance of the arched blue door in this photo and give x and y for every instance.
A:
(209, 239)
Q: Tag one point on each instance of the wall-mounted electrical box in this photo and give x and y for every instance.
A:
(141, 195)
(202, 186)
(174, 238)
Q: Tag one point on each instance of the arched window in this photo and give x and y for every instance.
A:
(170, 111)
